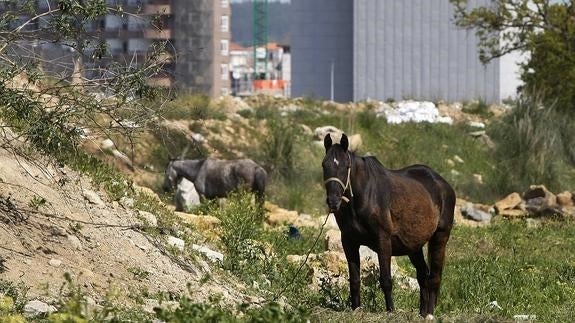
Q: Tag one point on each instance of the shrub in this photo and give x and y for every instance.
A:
(531, 145)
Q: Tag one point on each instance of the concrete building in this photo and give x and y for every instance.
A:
(386, 49)
(196, 34)
(202, 41)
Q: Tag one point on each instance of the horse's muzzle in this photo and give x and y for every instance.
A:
(333, 203)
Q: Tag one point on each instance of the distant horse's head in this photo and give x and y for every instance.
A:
(336, 171)
(170, 176)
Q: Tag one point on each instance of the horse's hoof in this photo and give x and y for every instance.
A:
(430, 317)
(358, 309)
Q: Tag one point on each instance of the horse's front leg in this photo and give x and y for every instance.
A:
(351, 250)
(384, 257)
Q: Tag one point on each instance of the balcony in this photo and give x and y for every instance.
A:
(158, 34)
(158, 9)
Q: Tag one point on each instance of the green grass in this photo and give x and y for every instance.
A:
(526, 270)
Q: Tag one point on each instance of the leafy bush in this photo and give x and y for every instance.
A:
(191, 107)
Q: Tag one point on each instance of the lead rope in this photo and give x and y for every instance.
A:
(290, 283)
(345, 186)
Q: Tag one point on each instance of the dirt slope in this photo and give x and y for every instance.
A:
(95, 243)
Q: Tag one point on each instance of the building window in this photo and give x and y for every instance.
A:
(224, 47)
(225, 71)
(225, 24)
(225, 3)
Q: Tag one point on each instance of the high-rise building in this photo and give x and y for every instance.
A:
(353, 50)
(196, 34)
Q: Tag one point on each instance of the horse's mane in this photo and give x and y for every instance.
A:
(373, 165)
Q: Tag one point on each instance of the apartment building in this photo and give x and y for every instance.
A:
(196, 34)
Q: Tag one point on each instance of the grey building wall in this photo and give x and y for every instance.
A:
(391, 49)
(322, 33)
(411, 49)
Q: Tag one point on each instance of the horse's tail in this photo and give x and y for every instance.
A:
(259, 184)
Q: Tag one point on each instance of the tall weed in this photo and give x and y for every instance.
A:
(531, 148)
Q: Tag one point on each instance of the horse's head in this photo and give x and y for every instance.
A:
(170, 176)
(336, 171)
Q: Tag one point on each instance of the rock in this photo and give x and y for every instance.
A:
(458, 159)
(450, 163)
(540, 191)
(149, 218)
(476, 124)
(199, 138)
(147, 192)
(355, 142)
(107, 145)
(306, 221)
(454, 172)
(477, 179)
(565, 198)
(92, 197)
(176, 243)
(412, 111)
(278, 216)
(513, 213)
(475, 214)
(55, 262)
(36, 308)
(477, 134)
(212, 255)
(368, 257)
(75, 242)
(334, 132)
(509, 202)
(460, 220)
(333, 240)
(200, 222)
(127, 202)
(331, 222)
(186, 195)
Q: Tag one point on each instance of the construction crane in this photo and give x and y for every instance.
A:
(260, 39)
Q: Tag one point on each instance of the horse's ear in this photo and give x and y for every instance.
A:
(344, 142)
(327, 142)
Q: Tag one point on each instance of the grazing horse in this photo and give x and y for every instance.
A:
(215, 178)
(394, 213)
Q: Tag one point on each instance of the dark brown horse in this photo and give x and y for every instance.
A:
(393, 212)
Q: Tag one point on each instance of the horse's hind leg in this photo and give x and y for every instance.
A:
(418, 262)
(384, 257)
(436, 251)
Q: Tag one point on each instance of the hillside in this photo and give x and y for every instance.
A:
(110, 235)
(55, 221)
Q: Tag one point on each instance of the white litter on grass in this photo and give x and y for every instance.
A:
(413, 111)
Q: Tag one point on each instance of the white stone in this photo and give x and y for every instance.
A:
(149, 218)
(176, 243)
(92, 197)
(211, 254)
(75, 242)
(55, 262)
(413, 111)
(36, 307)
(186, 195)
